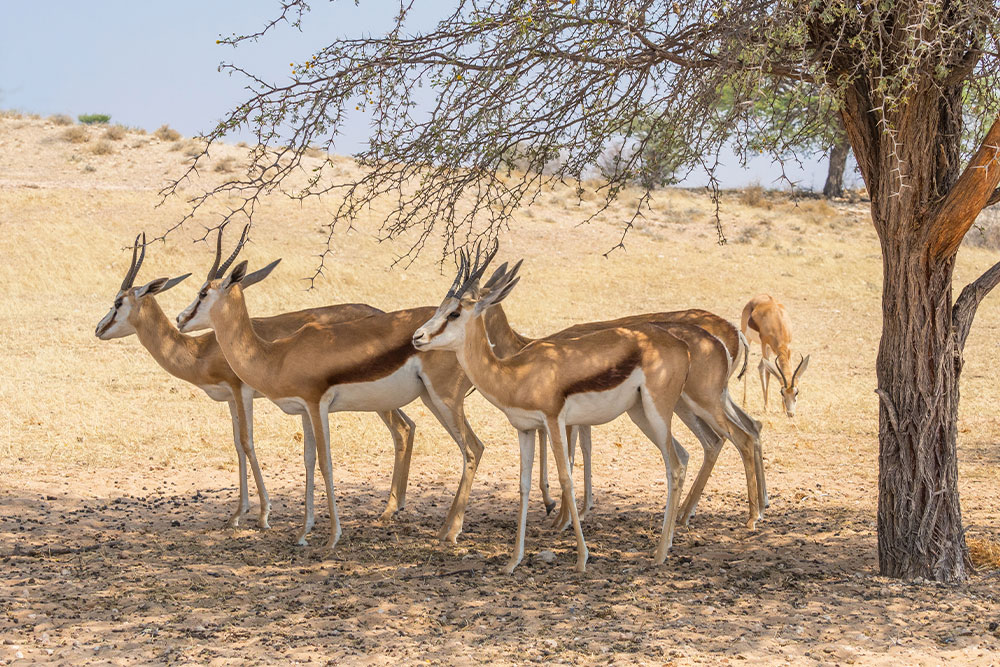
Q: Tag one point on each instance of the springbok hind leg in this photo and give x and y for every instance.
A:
(402, 430)
(309, 460)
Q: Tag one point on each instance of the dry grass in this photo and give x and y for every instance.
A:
(224, 166)
(89, 421)
(116, 133)
(76, 134)
(61, 119)
(985, 553)
(102, 147)
(754, 196)
(167, 133)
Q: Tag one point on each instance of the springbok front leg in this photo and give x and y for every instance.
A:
(765, 380)
(320, 419)
(526, 442)
(543, 472)
(309, 459)
(245, 415)
(451, 415)
(238, 441)
(402, 430)
(557, 435)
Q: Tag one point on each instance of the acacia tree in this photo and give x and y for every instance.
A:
(564, 77)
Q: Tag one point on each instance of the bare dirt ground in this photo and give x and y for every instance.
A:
(116, 479)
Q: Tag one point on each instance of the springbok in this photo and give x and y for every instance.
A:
(367, 364)
(764, 319)
(198, 360)
(556, 383)
(506, 342)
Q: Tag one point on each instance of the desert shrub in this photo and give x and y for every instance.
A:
(177, 145)
(102, 147)
(61, 119)
(76, 134)
(985, 553)
(193, 148)
(10, 113)
(115, 132)
(93, 118)
(754, 196)
(225, 165)
(167, 133)
(817, 210)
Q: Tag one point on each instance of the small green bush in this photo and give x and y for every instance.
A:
(93, 118)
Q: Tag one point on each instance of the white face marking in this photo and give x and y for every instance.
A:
(115, 324)
(196, 316)
(446, 329)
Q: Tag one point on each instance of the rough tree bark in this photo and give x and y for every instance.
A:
(921, 209)
(834, 186)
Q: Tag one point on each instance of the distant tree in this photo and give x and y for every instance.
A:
(567, 77)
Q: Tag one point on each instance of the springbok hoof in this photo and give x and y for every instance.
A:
(549, 507)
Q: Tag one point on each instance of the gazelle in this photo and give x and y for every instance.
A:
(367, 364)
(691, 326)
(558, 383)
(198, 360)
(764, 319)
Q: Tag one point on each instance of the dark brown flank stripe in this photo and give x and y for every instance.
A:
(753, 325)
(608, 378)
(375, 369)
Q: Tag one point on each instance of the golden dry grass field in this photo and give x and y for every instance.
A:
(116, 479)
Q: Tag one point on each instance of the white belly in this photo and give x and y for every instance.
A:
(291, 406)
(217, 392)
(599, 407)
(387, 393)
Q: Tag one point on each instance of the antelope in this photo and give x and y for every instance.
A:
(198, 360)
(764, 319)
(506, 341)
(555, 383)
(367, 364)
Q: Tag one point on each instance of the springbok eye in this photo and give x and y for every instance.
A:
(118, 303)
(454, 315)
(203, 294)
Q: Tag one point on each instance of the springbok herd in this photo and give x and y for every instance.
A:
(355, 357)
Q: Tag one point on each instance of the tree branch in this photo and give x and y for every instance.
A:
(968, 301)
(971, 193)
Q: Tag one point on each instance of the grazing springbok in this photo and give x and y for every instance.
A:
(562, 382)
(198, 360)
(506, 342)
(365, 365)
(764, 319)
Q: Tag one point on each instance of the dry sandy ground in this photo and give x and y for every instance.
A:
(117, 479)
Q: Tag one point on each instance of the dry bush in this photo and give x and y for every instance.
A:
(167, 133)
(76, 134)
(754, 196)
(116, 132)
(102, 147)
(816, 210)
(225, 165)
(61, 119)
(177, 145)
(985, 553)
(315, 151)
(10, 113)
(193, 149)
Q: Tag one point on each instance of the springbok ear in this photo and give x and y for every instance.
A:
(160, 285)
(236, 275)
(771, 368)
(803, 365)
(259, 274)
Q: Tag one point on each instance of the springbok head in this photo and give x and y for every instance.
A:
(789, 386)
(118, 323)
(465, 301)
(218, 284)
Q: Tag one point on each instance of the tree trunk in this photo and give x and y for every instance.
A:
(919, 519)
(839, 151)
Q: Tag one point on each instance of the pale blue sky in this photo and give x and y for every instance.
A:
(150, 63)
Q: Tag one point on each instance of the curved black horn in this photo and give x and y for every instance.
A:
(802, 360)
(481, 263)
(218, 253)
(239, 246)
(784, 382)
(463, 267)
(132, 269)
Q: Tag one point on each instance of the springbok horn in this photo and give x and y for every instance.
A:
(784, 382)
(481, 263)
(239, 246)
(133, 269)
(218, 253)
(462, 264)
